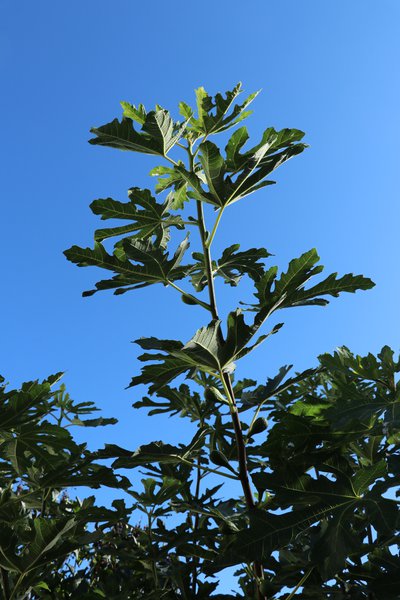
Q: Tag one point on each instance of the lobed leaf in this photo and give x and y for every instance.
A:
(232, 266)
(289, 289)
(148, 217)
(217, 114)
(151, 264)
(159, 133)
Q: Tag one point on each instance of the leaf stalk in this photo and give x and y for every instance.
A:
(189, 296)
(215, 227)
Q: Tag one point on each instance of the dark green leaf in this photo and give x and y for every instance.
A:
(159, 133)
(158, 452)
(152, 219)
(155, 267)
(207, 350)
(288, 290)
(231, 266)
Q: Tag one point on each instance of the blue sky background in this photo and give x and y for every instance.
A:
(329, 68)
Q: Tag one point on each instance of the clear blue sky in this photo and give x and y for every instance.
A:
(329, 68)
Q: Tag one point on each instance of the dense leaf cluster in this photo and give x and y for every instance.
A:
(41, 528)
(326, 472)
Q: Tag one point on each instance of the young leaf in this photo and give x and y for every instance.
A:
(136, 114)
(217, 114)
(186, 184)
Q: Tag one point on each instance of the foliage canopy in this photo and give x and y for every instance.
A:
(291, 481)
